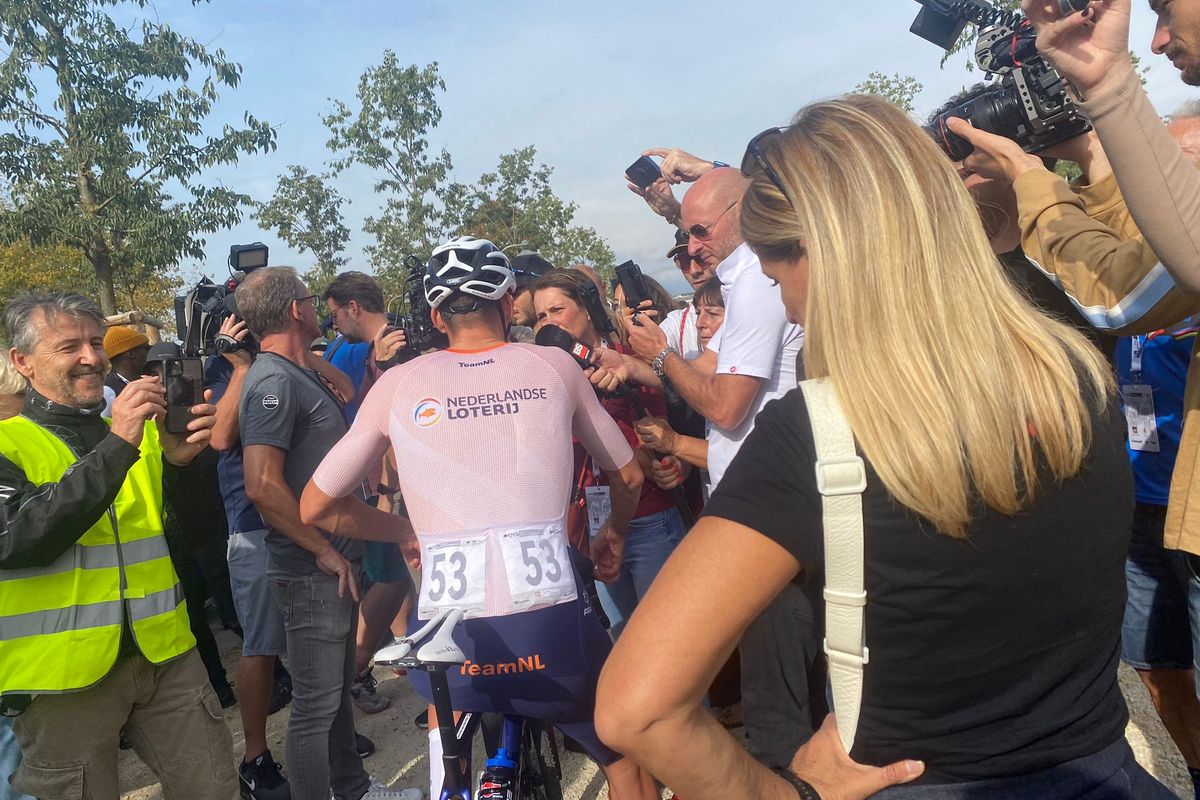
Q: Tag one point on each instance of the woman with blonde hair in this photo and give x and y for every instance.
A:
(995, 516)
(12, 387)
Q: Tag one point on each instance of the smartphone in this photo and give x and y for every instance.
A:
(643, 172)
(633, 284)
(595, 308)
(184, 381)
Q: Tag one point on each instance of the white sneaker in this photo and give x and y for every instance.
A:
(380, 792)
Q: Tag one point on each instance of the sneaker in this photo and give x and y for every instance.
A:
(362, 692)
(422, 720)
(380, 792)
(364, 745)
(226, 696)
(260, 779)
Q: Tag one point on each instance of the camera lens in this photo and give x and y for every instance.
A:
(998, 111)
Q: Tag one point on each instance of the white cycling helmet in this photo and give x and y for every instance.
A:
(468, 265)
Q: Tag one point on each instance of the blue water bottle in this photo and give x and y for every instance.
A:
(498, 778)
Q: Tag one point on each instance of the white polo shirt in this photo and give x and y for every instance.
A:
(680, 330)
(756, 340)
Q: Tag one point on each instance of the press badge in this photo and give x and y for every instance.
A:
(599, 507)
(1139, 417)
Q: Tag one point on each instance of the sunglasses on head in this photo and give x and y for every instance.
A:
(754, 156)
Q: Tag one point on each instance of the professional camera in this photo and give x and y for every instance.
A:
(1029, 104)
(200, 312)
(419, 333)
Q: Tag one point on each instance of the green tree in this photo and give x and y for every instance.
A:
(515, 204)
(306, 212)
(387, 132)
(104, 123)
(898, 89)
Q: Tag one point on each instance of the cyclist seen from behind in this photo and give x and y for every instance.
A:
(488, 536)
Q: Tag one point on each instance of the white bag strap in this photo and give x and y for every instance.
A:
(841, 479)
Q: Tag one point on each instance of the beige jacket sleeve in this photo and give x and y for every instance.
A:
(1088, 244)
(1159, 183)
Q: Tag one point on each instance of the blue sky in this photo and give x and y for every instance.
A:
(590, 84)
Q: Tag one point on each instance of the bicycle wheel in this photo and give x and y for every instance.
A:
(541, 773)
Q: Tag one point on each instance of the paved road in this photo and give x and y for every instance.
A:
(401, 757)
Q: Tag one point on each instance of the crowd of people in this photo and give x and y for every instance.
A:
(896, 490)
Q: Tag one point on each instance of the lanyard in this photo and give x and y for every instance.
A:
(1137, 345)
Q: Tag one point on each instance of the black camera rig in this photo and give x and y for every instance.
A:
(1029, 104)
(419, 332)
(200, 312)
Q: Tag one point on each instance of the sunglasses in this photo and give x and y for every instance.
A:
(703, 232)
(754, 155)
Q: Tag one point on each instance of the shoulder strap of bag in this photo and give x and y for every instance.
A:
(841, 480)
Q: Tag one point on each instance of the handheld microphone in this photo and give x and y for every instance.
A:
(554, 336)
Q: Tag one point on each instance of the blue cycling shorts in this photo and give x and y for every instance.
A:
(540, 664)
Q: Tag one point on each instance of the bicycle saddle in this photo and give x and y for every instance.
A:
(433, 644)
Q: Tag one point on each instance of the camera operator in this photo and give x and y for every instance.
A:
(1087, 240)
(354, 302)
(94, 633)
(288, 420)
(1159, 182)
(997, 203)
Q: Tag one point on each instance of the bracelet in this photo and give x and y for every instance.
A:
(804, 789)
(719, 164)
(659, 360)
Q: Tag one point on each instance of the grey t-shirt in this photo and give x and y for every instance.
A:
(287, 406)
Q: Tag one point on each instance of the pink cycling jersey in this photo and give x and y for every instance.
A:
(481, 438)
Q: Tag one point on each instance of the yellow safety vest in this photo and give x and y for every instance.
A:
(60, 625)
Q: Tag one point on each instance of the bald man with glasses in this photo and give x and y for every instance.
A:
(749, 362)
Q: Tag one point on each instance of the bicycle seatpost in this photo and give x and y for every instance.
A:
(440, 687)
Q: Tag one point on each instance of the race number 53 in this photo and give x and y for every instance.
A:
(538, 566)
(452, 576)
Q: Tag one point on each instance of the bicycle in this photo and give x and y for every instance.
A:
(527, 742)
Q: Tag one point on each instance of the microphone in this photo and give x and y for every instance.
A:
(554, 336)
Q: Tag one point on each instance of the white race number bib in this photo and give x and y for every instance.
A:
(537, 565)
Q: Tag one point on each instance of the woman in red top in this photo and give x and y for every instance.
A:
(657, 527)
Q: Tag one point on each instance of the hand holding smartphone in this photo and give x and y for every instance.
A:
(643, 172)
(183, 379)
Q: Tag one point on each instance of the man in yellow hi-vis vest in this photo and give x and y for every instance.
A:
(94, 632)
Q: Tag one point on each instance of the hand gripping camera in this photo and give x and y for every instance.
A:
(1029, 104)
(200, 312)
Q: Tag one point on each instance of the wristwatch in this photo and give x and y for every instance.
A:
(804, 789)
(659, 360)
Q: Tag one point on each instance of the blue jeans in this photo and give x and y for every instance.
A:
(1111, 774)
(650, 541)
(1162, 611)
(10, 757)
(320, 627)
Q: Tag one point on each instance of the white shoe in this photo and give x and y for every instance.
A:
(380, 792)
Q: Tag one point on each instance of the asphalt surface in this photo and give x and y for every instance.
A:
(401, 757)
